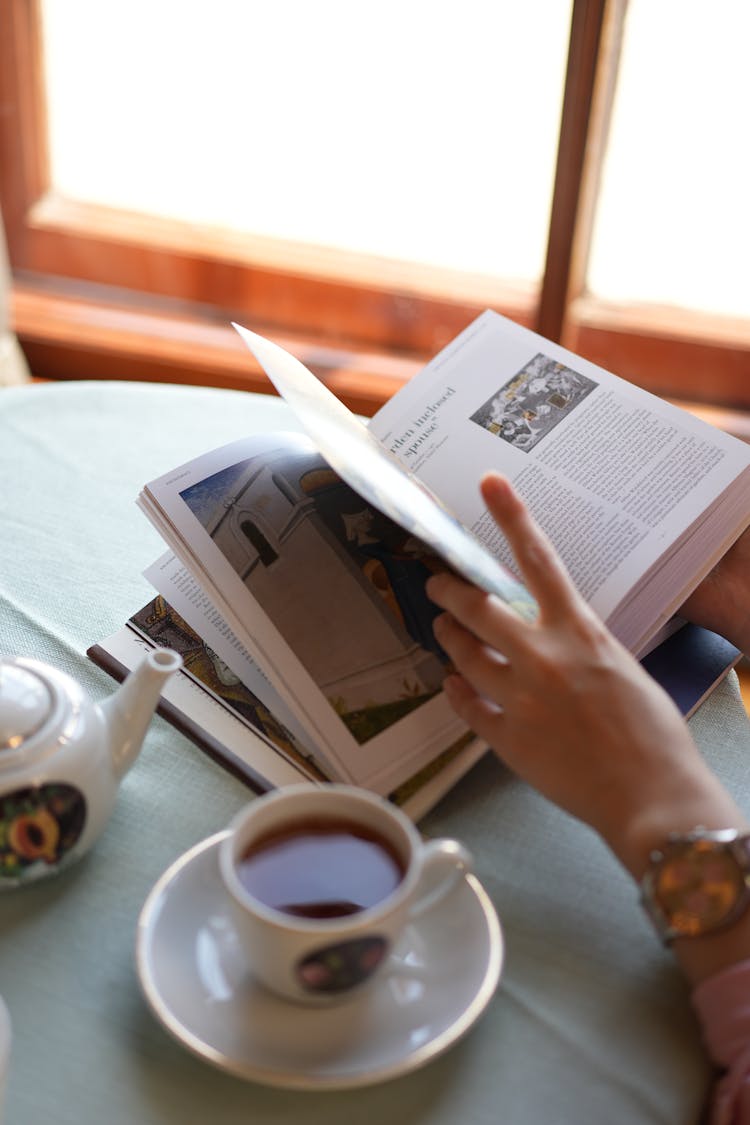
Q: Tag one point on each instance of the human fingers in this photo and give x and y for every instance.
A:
(481, 715)
(541, 567)
(483, 614)
(485, 669)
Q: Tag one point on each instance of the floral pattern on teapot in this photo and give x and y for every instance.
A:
(39, 827)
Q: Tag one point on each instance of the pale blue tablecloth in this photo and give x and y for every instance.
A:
(592, 1022)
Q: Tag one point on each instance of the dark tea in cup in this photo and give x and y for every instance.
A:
(320, 868)
(321, 882)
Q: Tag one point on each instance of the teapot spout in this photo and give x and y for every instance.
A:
(128, 712)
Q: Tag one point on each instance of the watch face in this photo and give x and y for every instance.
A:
(697, 886)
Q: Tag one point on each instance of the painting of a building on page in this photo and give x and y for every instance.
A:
(529, 406)
(342, 584)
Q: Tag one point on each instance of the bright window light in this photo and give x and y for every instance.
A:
(673, 225)
(420, 130)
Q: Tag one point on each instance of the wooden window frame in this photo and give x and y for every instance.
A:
(103, 293)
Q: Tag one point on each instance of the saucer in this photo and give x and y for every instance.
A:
(440, 977)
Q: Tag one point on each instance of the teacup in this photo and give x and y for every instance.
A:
(322, 880)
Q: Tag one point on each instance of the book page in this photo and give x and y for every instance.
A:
(231, 659)
(613, 474)
(325, 592)
(214, 721)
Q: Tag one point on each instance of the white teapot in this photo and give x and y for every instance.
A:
(62, 757)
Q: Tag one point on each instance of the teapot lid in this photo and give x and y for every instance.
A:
(26, 703)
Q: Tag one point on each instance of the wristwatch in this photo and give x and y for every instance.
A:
(697, 883)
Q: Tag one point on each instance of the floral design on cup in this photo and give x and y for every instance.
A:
(39, 826)
(335, 968)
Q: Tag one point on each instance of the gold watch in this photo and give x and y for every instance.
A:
(697, 883)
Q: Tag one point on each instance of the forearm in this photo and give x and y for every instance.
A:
(693, 797)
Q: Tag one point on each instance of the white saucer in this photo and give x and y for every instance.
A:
(439, 980)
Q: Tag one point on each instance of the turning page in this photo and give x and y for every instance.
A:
(639, 497)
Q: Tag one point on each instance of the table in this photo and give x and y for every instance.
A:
(592, 1021)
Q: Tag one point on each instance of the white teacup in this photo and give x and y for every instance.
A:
(322, 881)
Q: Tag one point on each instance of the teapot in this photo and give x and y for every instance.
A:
(62, 757)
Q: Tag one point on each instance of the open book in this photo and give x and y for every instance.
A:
(304, 558)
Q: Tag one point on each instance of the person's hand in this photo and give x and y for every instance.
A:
(722, 601)
(566, 707)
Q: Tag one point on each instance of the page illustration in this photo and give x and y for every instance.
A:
(342, 584)
(531, 404)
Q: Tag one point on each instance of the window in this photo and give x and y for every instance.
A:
(396, 133)
(255, 536)
(470, 184)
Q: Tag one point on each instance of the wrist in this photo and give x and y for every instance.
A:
(677, 800)
(683, 803)
(696, 893)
